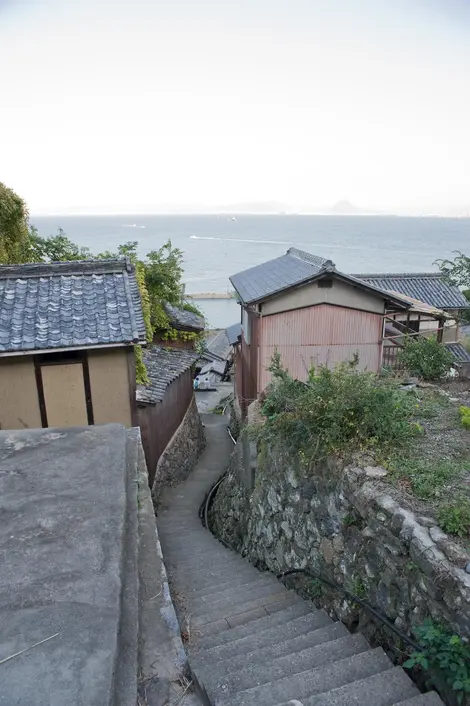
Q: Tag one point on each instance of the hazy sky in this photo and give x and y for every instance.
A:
(117, 105)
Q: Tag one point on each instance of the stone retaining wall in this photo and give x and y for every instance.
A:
(181, 453)
(348, 524)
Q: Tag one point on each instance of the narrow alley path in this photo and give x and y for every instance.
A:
(251, 641)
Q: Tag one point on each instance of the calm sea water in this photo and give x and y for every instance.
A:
(215, 247)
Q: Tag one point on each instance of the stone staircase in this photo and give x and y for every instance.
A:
(251, 641)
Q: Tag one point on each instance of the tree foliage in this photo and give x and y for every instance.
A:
(14, 234)
(159, 274)
(456, 271)
(335, 411)
(426, 358)
(54, 248)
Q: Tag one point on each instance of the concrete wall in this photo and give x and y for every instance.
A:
(19, 406)
(340, 294)
(109, 382)
(180, 456)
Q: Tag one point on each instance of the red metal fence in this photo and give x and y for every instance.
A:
(158, 422)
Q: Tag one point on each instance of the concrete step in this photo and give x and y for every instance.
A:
(430, 699)
(228, 611)
(264, 579)
(235, 596)
(263, 648)
(385, 688)
(269, 621)
(220, 684)
(314, 681)
(199, 580)
(224, 624)
(209, 562)
(220, 584)
(302, 632)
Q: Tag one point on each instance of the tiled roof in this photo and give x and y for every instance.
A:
(215, 366)
(428, 287)
(233, 332)
(184, 320)
(163, 366)
(69, 304)
(460, 353)
(274, 276)
(218, 346)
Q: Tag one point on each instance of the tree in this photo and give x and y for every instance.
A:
(457, 272)
(14, 234)
(55, 247)
(159, 275)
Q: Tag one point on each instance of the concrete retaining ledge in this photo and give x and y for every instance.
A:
(85, 610)
(163, 665)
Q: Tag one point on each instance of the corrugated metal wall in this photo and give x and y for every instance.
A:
(319, 335)
(158, 422)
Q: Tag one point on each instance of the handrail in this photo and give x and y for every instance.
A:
(337, 587)
(307, 572)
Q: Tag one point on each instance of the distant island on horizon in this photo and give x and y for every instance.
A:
(265, 208)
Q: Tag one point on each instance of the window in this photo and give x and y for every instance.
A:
(246, 326)
(413, 325)
(325, 283)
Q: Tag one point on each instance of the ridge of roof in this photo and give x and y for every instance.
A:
(67, 267)
(315, 260)
(404, 275)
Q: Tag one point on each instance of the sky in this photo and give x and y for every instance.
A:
(120, 106)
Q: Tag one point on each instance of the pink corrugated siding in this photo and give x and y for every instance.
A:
(319, 335)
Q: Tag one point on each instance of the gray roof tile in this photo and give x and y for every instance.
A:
(283, 272)
(428, 287)
(45, 306)
(163, 365)
(218, 345)
(182, 319)
(233, 333)
(296, 267)
(460, 353)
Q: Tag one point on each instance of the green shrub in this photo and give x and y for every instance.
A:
(428, 479)
(426, 358)
(455, 519)
(444, 656)
(465, 417)
(336, 411)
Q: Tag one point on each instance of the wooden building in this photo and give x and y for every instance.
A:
(67, 336)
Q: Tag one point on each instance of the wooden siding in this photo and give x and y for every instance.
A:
(319, 335)
(247, 365)
(160, 421)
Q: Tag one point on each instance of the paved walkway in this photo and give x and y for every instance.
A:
(252, 642)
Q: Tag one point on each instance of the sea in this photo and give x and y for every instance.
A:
(217, 246)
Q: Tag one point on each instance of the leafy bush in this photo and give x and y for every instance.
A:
(336, 411)
(455, 519)
(426, 358)
(445, 656)
(465, 417)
